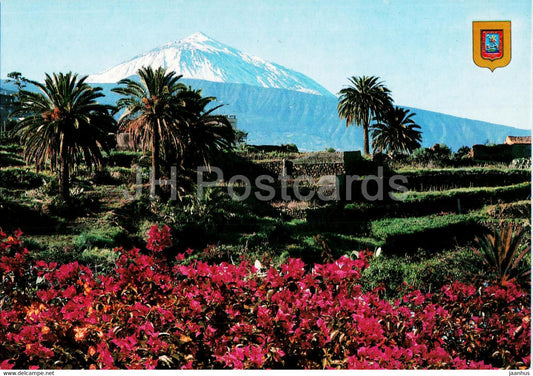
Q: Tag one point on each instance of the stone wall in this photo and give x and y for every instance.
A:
(315, 165)
(317, 170)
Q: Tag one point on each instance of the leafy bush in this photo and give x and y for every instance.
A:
(441, 179)
(101, 260)
(11, 159)
(462, 153)
(103, 176)
(290, 148)
(483, 194)
(438, 155)
(434, 232)
(76, 205)
(108, 237)
(123, 158)
(11, 148)
(521, 163)
(428, 273)
(21, 178)
(413, 225)
(122, 175)
(418, 204)
(144, 314)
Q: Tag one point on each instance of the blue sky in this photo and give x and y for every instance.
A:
(421, 49)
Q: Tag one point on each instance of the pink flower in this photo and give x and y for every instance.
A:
(6, 364)
(159, 238)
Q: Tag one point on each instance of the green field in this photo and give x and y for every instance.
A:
(424, 235)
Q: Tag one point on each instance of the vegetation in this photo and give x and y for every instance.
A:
(205, 134)
(504, 252)
(63, 124)
(367, 98)
(154, 112)
(195, 315)
(360, 284)
(397, 132)
(171, 120)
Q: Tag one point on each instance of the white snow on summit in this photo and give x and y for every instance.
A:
(203, 58)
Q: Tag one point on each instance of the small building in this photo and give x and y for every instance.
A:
(518, 140)
(513, 147)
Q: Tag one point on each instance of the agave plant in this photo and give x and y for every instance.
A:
(504, 252)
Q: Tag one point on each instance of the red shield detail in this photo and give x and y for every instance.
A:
(492, 44)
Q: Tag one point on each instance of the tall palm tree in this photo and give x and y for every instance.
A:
(63, 124)
(205, 133)
(153, 111)
(366, 99)
(396, 132)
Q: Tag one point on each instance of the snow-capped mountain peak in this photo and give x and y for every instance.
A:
(201, 57)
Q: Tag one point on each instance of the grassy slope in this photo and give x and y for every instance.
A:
(251, 230)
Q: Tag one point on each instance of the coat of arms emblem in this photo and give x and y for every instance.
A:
(491, 43)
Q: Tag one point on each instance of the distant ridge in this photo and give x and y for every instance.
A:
(201, 57)
(276, 105)
(281, 116)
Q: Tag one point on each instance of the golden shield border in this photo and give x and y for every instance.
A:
(477, 28)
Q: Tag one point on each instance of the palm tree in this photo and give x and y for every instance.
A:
(63, 124)
(397, 132)
(367, 98)
(205, 133)
(153, 111)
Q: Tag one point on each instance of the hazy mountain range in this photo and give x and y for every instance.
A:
(276, 105)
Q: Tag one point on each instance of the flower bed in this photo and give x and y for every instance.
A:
(147, 314)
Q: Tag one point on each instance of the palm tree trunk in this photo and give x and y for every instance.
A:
(64, 176)
(365, 139)
(155, 159)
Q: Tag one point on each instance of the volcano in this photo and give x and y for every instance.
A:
(203, 58)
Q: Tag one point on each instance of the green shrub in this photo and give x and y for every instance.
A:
(418, 204)
(58, 253)
(122, 175)
(76, 205)
(521, 163)
(11, 148)
(385, 228)
(123, 158)
(11, 159)
(433, 233)
(462, 153)
(440, 179)
(21, 178)
(422, 271)
(388, 273)
(100, 237)
(513, 192)
(438, 155)
(290, 148)
(101, 260)
(50, 187)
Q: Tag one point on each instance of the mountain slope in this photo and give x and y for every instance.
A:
(200, 57)
(279, 116)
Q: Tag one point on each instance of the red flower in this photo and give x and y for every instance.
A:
(159, 238)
